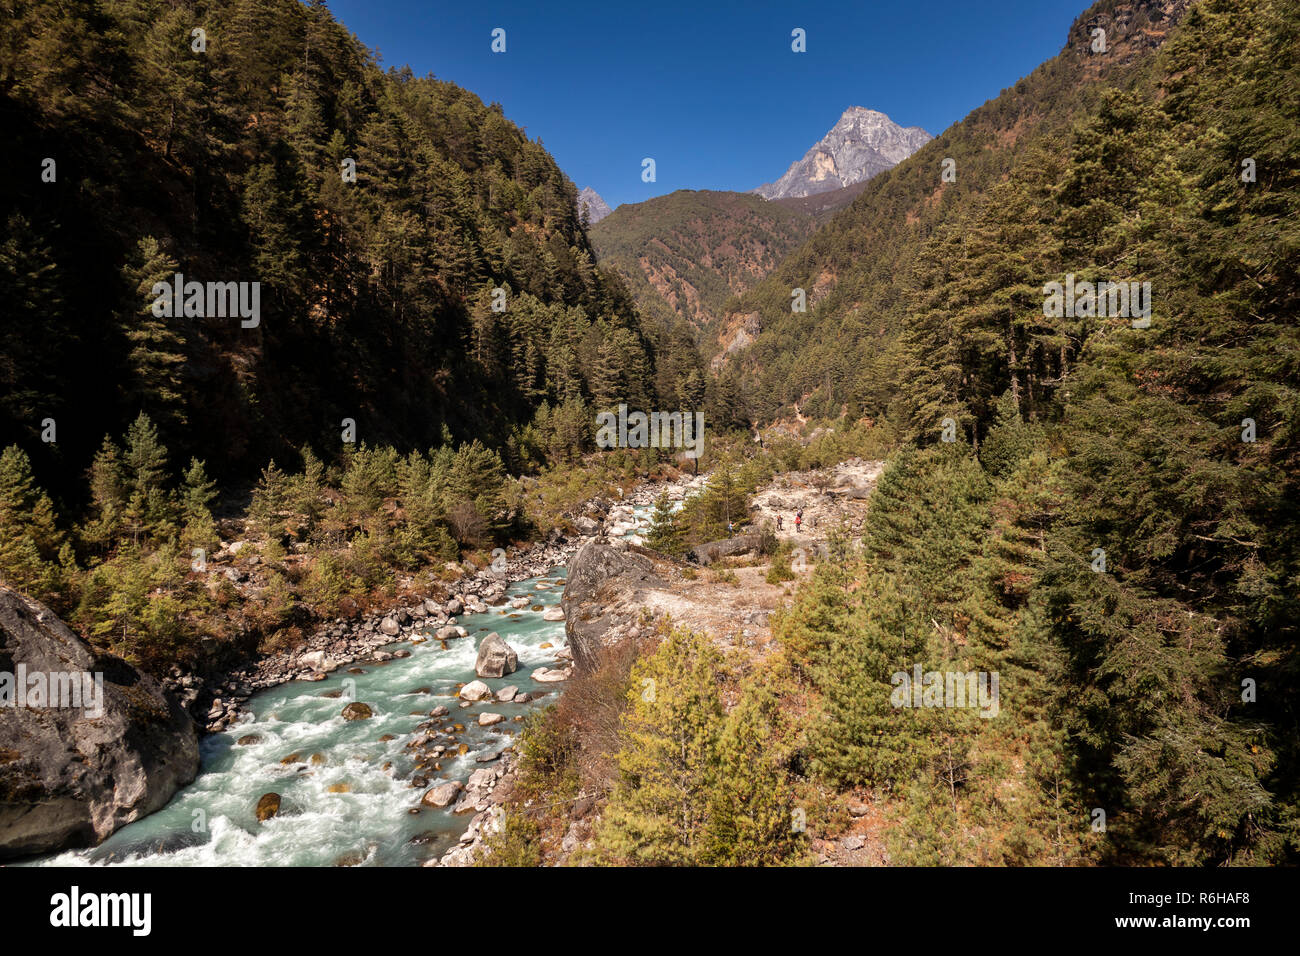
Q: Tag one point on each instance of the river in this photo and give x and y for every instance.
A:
(346, 794)
(367, 817)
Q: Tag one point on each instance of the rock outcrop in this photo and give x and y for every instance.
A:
(603, 582)
(70, 776)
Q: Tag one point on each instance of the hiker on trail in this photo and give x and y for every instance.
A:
(778, 522)
(798, 519)
(729, 527)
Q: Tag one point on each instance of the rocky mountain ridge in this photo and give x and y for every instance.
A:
(591, 202)
(861, 144)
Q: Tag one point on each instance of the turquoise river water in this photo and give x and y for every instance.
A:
(212, 822)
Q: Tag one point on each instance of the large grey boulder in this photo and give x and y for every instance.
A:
(602, 595)
(70, 776)
(496, 658)
(726, 548)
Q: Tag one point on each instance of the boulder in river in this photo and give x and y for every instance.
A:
(496, 658)
(443, 794)
(547, 674)
(71, 775)
(487, 720)
(357, 711)
(553, 614)
(268, 805)
(475, 690)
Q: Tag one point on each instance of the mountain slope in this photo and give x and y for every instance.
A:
(1101, 507)
(236, 165)
(857, 269)
(688, 253)
(861, 144)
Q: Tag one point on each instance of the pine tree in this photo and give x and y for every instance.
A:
(197, 494)
(157, 343)
(658, 812)
(665, 534)
(751, 804)
(29, 536)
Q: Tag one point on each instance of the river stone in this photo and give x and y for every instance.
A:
(520, 602)
(390, 626)
(475, 690)
(443, 794)
(248, 740)
(506, 694)
(487, 720)
(357, 711)
(439, 711)
(553, 614)
(71, 779)
(268, 805)
(496, 658)
(316, 660)
(546, 674)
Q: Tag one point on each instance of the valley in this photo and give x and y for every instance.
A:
(472, 522)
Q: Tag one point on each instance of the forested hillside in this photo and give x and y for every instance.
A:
(193, 488)
(859, 271)
(228, 157)
(1102, 510)
(691, 252)
(1115, 526)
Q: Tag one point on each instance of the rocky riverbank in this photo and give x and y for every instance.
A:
(219, 703)
(607, 526)
(340, 642)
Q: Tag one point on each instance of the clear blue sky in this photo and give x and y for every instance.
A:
(711, 91)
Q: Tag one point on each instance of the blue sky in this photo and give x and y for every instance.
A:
(711, 91)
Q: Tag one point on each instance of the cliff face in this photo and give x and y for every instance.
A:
(71, 775)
